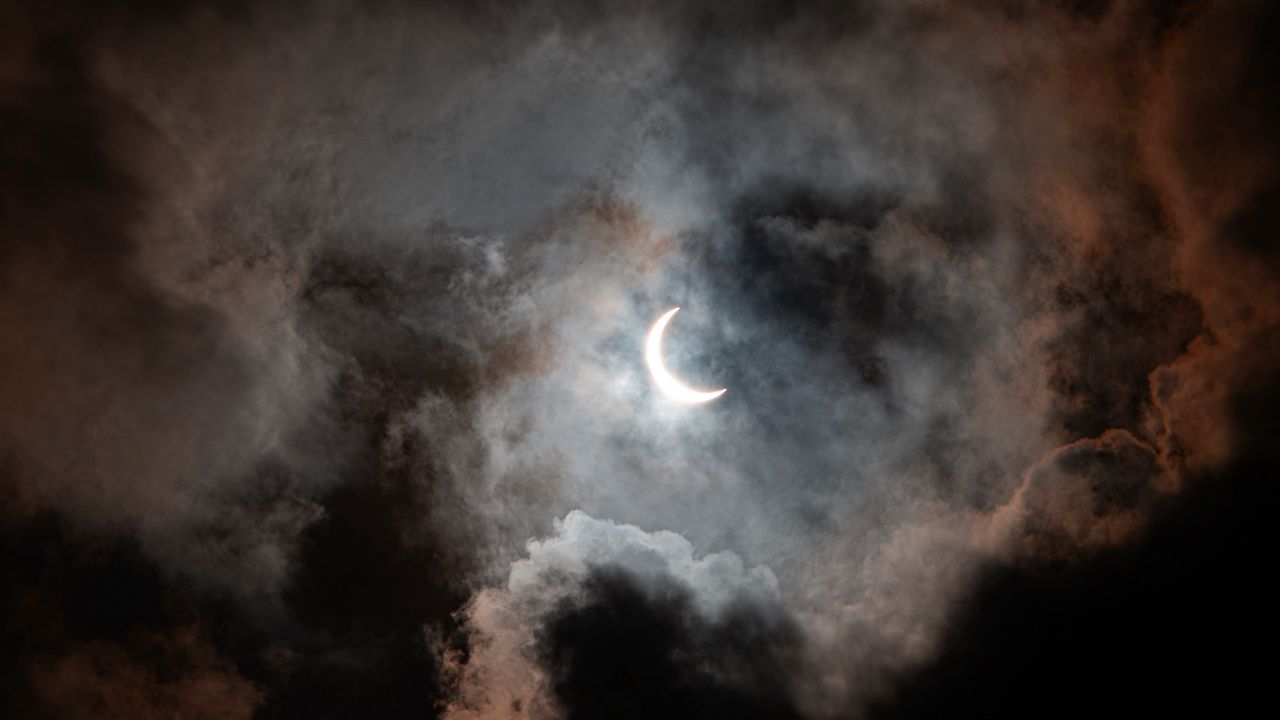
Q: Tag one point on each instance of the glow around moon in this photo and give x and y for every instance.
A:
(662, 377)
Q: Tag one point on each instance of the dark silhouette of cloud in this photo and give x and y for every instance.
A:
(625, 650)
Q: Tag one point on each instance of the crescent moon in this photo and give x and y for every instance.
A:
(662, 377)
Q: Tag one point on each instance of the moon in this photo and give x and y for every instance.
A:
(662, 377)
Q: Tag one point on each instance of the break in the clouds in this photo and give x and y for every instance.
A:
(323, 381)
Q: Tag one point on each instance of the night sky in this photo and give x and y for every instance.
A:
(323, 390)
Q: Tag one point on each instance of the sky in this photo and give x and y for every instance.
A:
(322, 379)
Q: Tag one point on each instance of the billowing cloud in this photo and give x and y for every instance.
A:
(323, 326)
(532, 645)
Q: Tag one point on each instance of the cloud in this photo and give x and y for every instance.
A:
(100, 680)
(332, 309)
(532, 643)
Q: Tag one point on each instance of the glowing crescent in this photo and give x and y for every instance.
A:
(661, 376)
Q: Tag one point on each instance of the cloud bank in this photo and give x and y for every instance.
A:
(323, 337)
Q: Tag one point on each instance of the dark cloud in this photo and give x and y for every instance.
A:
(94, 628)
(321, 380)
(626, 649)
(1173, 624)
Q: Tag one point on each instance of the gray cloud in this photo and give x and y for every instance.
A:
(951, 262)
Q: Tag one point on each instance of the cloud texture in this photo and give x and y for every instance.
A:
(322, 378)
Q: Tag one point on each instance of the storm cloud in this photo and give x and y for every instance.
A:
(323, 382)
